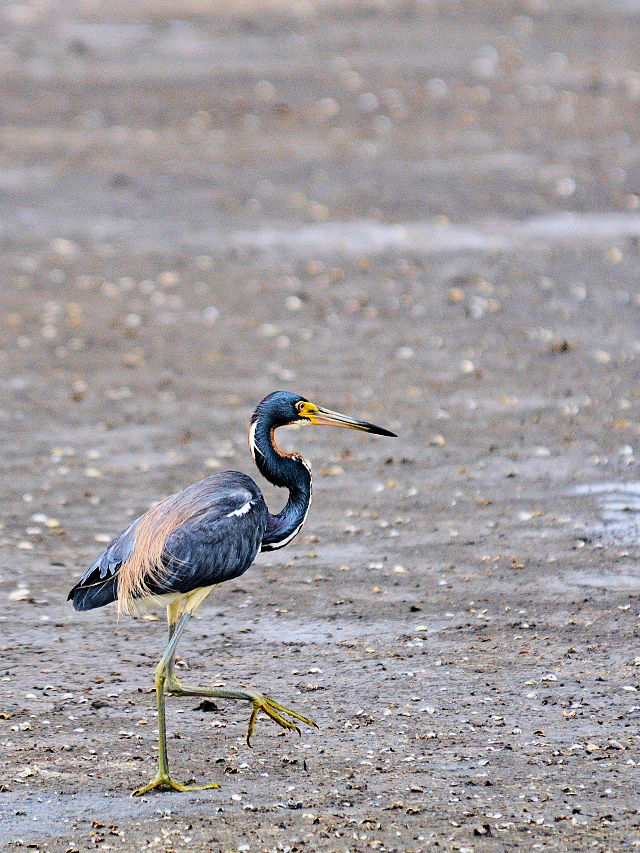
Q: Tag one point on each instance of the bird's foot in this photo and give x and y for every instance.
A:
(259, 702)
(163, 780)
(275, 711)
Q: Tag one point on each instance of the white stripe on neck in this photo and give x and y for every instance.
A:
(253, 447)
(273, 546)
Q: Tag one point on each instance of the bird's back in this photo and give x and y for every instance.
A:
(207, 533)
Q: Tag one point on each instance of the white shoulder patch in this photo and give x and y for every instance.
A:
(242, 510)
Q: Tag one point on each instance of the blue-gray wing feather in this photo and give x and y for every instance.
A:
(99, 585)
(218, 543)
(117, 553)
(216, 546)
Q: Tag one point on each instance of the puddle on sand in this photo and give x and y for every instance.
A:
(617, 583)
(619, 505)
(427, 236)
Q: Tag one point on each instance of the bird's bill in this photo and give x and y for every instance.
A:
(325, 417)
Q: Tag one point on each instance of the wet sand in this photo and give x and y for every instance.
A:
(423, 214)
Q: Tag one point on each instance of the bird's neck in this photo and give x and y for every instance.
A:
(287, 470)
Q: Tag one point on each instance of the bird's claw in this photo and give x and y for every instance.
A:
(274, 710)
(165, 781)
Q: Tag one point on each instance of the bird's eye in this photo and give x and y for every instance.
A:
(300, 406)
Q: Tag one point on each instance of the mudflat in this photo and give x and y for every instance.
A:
(421, 214)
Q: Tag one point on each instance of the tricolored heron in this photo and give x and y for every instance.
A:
(208, 533)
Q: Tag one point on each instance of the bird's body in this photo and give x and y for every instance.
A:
(225, 523)
(206, 534)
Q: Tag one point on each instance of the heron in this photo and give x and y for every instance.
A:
(210, 532)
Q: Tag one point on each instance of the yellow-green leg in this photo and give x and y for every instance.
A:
(163, 778)
(259, 701)
(178, 614)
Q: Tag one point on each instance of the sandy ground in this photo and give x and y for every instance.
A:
(424, 214)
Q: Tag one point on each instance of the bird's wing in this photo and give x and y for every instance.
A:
(225, 521)
(109, 562)
(97, 586)
(217, 545)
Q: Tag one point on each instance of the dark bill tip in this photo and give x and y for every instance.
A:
(377, 430)
(329, 418)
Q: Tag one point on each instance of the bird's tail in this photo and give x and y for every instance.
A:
(94, 595)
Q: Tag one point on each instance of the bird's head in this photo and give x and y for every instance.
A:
(283, 407)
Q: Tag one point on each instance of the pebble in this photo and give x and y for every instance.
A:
(293, 303)
(210, 315)
(565, 187)
(437, 88)
(133, 320)
(20, 594)
(269, 330)
(265, 91)
(367, 102)
(168, 278)
(328, 107)
(405, 353)
(352, 80)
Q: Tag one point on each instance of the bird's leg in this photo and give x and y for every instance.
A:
(259, 702)
(174, 611)
(163, 779)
